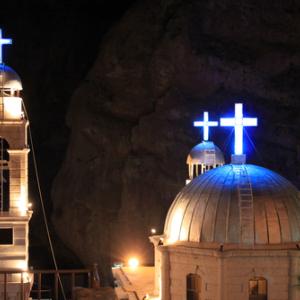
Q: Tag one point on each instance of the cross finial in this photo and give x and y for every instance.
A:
(3, 42)
(238, 122)
(206, 124)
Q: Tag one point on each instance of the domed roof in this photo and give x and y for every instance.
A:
(241, 205)
(205, 153)
(9, 79)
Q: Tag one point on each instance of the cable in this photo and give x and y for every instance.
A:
(42, 204)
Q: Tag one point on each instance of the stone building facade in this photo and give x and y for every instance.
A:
(232, 233)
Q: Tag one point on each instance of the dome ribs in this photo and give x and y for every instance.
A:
(194, 236)
(260, 220)
(243, 207)
(190, 209)
(209, 220)
(277, 197)
(290, 221)
(223, 211)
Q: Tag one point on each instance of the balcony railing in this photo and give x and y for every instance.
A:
(43, 284)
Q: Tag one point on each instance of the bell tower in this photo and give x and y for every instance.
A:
(14, 209)
(205, 155)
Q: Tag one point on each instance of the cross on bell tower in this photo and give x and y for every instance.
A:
(3, 41)
(206, 124)
(205, 155)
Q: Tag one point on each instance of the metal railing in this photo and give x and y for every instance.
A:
(18, 281)
(37, 283)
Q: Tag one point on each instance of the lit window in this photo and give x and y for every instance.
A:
(193, 287)
(258, 289)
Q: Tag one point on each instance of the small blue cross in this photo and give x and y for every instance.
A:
(3, 42)
(238, 122)
(205, 124)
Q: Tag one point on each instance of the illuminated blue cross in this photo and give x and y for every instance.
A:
(238, 122)
(3, 42)
(205, 124)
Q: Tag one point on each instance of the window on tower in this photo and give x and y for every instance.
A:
(4, 175)
(193, 287)
(258, 289)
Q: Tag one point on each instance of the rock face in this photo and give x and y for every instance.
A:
(131, 118)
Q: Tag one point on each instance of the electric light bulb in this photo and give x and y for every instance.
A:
(133, 262)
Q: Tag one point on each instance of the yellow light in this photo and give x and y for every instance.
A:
(27, 277)
(153, 230)
(133, 262)
(22, 265)
(12, 108)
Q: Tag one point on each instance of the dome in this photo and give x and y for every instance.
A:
(9, 79)
(238, 205)
(205, 153)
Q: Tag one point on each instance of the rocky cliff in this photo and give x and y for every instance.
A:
(131, 117)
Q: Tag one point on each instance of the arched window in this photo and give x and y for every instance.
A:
(258, 288)
(193, 287)
(4, 176)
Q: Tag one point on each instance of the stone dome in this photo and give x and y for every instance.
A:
(9, 79)
(203, 153)
(236, 206)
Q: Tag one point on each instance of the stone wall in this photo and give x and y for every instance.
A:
(234, 269)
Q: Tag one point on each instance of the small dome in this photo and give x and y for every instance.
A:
(9, 79)
(205, 153)
(239, 205)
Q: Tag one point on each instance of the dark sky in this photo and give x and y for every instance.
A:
(54, 45)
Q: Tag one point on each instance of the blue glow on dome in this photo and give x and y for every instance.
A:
(216, 207)
(238, 122)
(206, 124)
(3, 41)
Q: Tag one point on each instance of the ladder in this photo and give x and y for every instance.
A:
(245, 198)
(210, 157)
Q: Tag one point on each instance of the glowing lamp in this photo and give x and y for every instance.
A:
(22, 264)
(3, 41)
(133, 262)
(238, 122)
(12, 108)
(205, 124)
(153, 230)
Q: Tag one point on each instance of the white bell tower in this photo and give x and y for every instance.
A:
(206, 155)
(14, 211)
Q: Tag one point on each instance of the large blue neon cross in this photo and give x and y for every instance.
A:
(3, 42)
(205, 124)
(238, 122)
